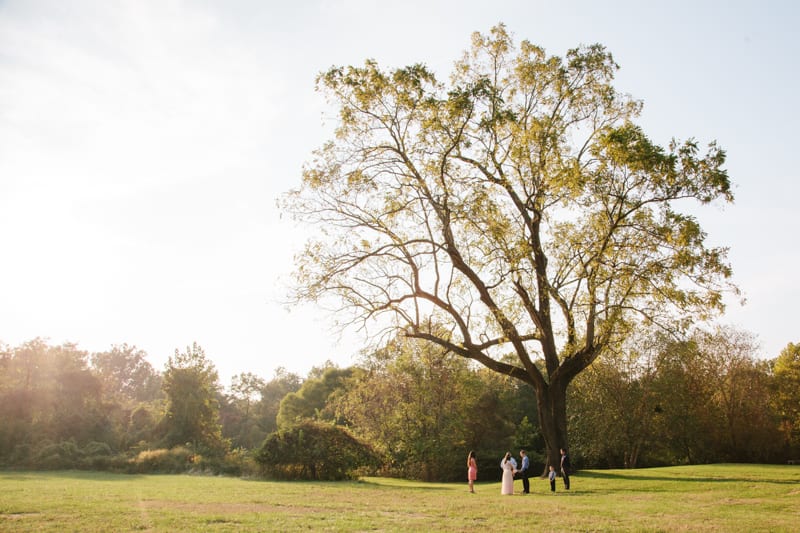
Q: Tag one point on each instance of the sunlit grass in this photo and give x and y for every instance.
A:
(691, 498)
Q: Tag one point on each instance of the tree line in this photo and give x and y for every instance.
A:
(408, 409)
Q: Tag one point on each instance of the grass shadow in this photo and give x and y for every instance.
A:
(93, 475)
(637, 476)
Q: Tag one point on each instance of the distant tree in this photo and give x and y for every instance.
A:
(613, 413)
(192, 417)
(20, 404)
(77, 412)
(500, 419)
(619, 403)
(786, 397)
(246, 388)
(131, 390)
(713, 400)
(424, 408)
(274, 391)
(141, 429)
(125, 373)
(48, 393)
(237, 411)
(517, 208)
(312, 401)
(6, 357)
(689, 421)
(749, 429)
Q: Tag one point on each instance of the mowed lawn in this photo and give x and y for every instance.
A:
(687, 498)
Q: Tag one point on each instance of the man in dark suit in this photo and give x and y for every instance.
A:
(565, 466)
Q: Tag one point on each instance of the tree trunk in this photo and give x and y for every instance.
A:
(631, 457)
(552, 409)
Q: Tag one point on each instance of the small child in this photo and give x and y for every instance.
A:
(552, 479)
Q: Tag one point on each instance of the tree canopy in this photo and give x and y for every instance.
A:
(517, 208)
(192, 416)
(786, 369)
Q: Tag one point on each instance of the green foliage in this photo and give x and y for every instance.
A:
(237, 414)
(311, 401)
(614, 409)
(53, 456)
(424, 408)
(786, 396)
(747, 430)
(192, 417)
(527, 437)
(315, 451)
(662, 401)
(272, 394)
(656, 401)
(66, 454)
(240, 462)
(141, 425)
(250, 412)
(126, 375)
(49, 393)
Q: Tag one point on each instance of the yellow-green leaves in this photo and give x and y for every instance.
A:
(520, 199)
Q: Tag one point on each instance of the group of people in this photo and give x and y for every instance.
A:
(509, 467)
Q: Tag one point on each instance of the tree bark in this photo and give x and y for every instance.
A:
(552, 410)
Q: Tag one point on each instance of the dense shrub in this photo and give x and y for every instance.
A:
(163, 461)
(57, 455)
(315, 451)
(239, 462)
(65, 454)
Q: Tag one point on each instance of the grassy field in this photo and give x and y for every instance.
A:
(692, 498)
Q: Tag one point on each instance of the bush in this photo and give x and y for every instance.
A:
(239, 462)
(315, 451)
(66, 454)
(57, 455)
(97, 449)
(162, 461)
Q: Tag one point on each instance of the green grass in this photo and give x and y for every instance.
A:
(690, 498)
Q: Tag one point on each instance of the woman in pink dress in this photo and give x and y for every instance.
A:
(472, 470)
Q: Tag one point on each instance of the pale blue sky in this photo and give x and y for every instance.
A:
(143, 145)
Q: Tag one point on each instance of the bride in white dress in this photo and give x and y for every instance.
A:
(509, 469)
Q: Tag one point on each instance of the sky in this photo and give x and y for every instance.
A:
(143, 146)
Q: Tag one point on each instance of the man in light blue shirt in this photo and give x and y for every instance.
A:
(524, 471)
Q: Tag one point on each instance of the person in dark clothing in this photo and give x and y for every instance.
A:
(565, 467)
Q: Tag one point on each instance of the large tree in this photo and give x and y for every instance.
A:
(516, 209)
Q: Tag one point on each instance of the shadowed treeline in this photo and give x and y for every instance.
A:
(405, 410)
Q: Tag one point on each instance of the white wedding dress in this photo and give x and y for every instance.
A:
(507, 486)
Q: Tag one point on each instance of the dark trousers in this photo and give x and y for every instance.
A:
(565, 475)
(553, 485)
(526, 485)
